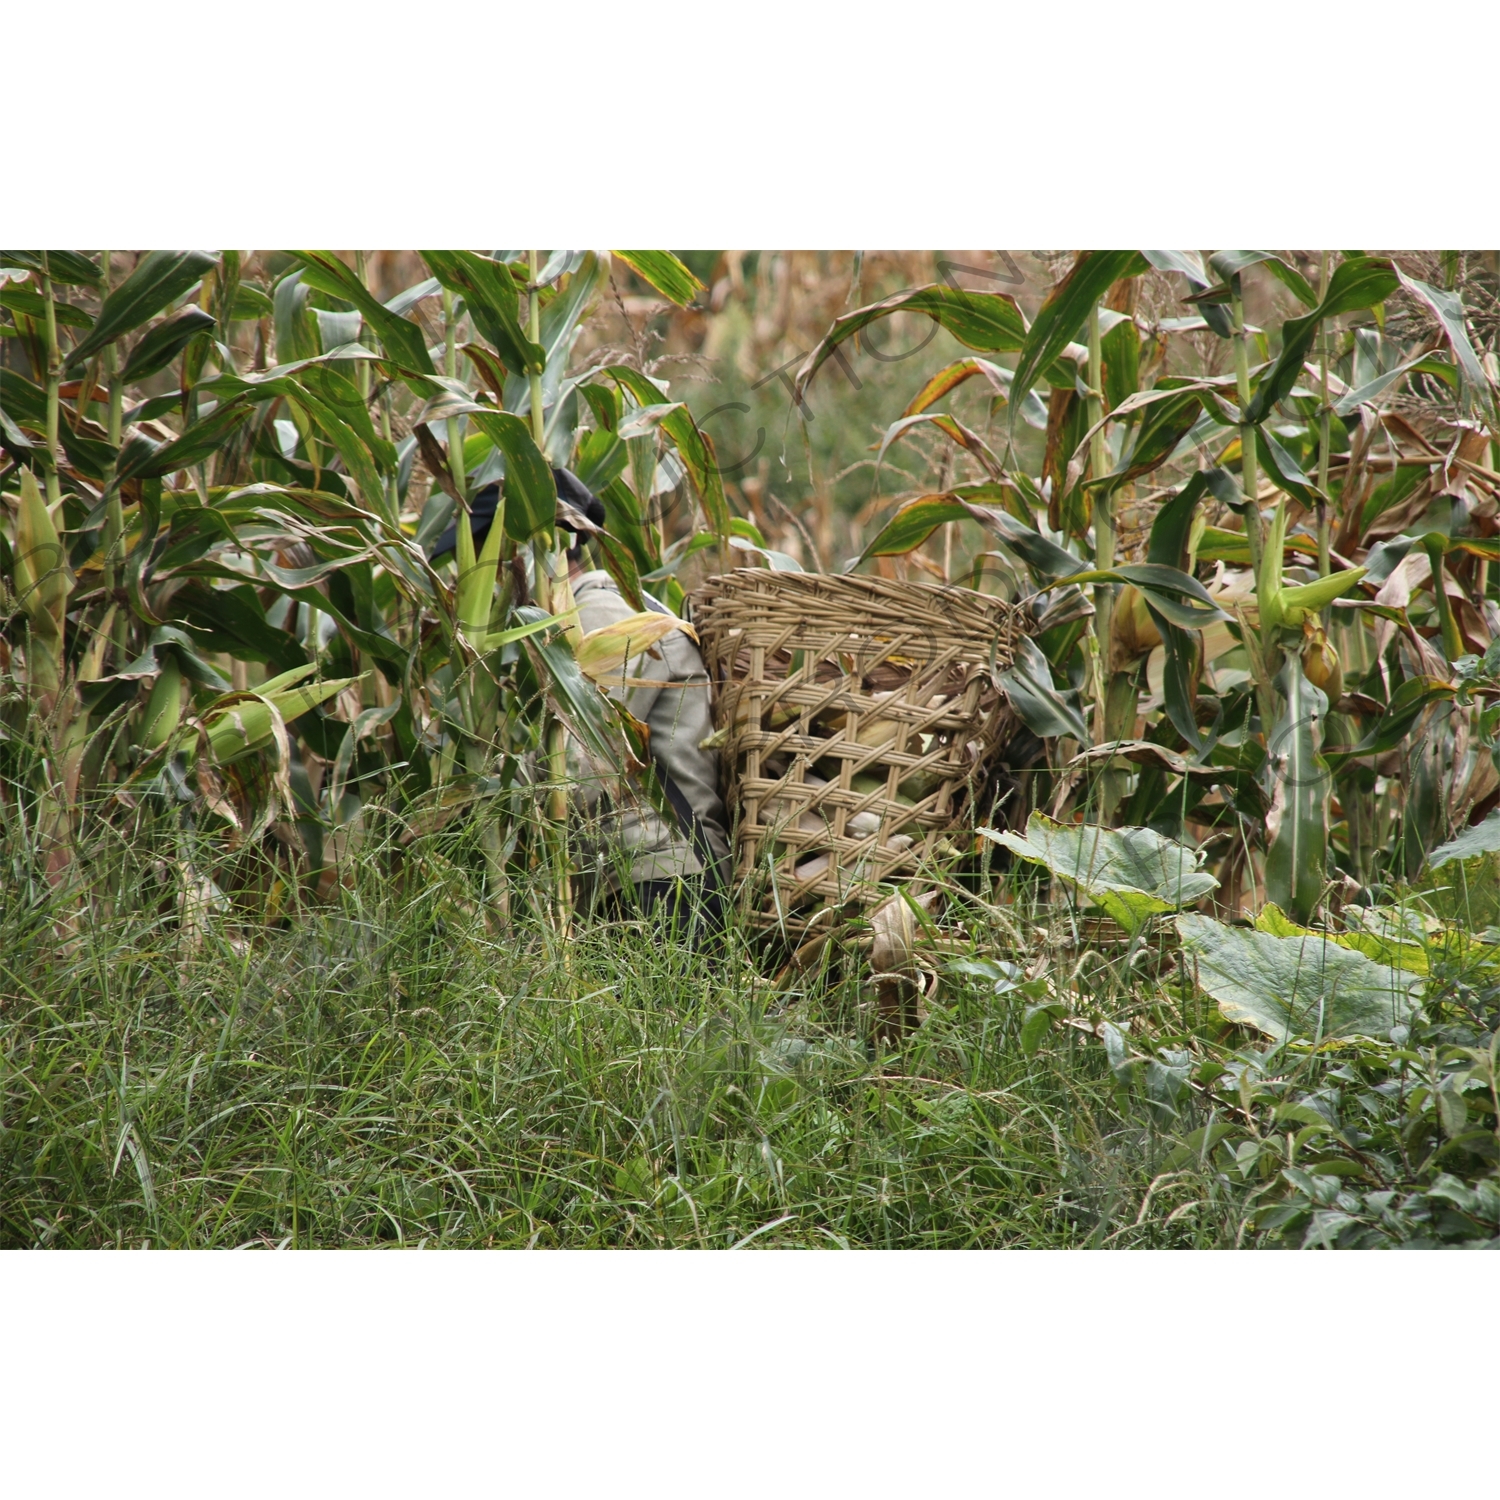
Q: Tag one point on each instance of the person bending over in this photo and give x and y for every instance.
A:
(676, 869)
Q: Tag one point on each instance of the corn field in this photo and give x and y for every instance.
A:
(1248, 503)
(1258, 557)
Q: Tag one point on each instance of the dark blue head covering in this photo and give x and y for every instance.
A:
(579, 511)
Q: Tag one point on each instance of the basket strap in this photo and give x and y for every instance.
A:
(691, 826)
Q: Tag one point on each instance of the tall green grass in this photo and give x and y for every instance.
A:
(387, 1068)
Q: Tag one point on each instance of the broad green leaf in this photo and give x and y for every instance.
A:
(1384, 950)
(162, 344)
(1132, 872)
(988, 321)
(1306, 987)
(1359, 282)
(159, 280)
(404, 341)
(1066, 310)
(665, 272)
(1482, 838)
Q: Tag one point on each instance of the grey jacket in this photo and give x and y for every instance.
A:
(624, 831)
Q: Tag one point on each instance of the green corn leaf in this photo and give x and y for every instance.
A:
(589, 716)
(951, 428)
(604, 401)
(1230, 263)
(250, 304)
(23, 400)
(296, 328)
(23, 302)
(1066, 310)
(498, 638)
(141, 458)
(164, 343)
(1409, 702)
(404, 341)
(159, 280)
(1359, 282)
(1028, 686)
(1448, 308)
(1121, 351)
(530, 489)
(489, 290)
(1285, 470)
(1162, 429)
(693, 446)
(1168, 547)
(1033, 408)
(627, 522)
(1177, 595)
(233, 621)
(916, 520)
(665, 272)
(1298, 821)
(990, 322)
(66, 266)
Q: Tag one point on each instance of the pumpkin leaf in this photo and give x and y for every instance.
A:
(1306, 986)
(1133, 873)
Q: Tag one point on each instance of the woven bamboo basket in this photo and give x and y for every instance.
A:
(855, 718)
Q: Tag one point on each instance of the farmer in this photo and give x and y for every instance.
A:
(677, 868)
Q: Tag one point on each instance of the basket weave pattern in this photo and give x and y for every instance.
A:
(855, 715)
